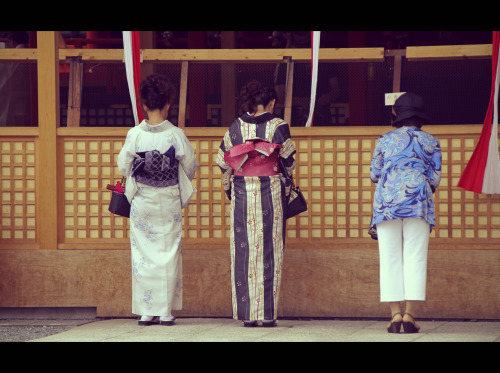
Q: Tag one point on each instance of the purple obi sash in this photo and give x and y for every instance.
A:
(156, 169)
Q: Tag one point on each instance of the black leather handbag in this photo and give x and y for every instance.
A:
(119, 204)
(295, 202)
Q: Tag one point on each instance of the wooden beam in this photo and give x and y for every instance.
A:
(260, 55)
(264, 55)
(447, 52)
(231, 55)
(18, 54)
(48, 121)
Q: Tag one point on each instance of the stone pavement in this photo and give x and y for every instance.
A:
(288, 330)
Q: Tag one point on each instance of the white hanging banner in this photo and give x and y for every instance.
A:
(128, 51)
(315, 35)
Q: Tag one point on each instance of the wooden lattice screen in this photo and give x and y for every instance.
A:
(18, 190)
(332, 170)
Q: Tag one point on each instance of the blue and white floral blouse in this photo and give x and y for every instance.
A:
(406, 165)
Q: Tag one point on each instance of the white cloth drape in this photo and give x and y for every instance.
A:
(314, 74)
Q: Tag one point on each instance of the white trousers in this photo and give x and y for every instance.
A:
(403, 246)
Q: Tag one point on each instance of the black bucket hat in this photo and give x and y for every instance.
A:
(409, 105)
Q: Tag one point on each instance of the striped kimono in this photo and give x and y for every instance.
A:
(250, 158)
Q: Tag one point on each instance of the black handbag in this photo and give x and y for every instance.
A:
(295, 202)
(119, 204)
(372, 231)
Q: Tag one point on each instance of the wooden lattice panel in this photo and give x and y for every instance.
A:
(207, 215)
(89, 165)
(461, 214)
(332, 171)
(332, 175)
(17, 189)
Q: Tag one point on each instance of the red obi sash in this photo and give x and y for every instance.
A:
(255, 157)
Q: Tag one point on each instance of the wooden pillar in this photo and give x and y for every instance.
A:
(147, 42)
(74, 91)
(396, 82)
(181, 121)
(48, 121)
(289, 90)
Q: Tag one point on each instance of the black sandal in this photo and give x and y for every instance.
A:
(249, 324)
(269, 323)
(154, 321)
(408, 326)
(395, 327)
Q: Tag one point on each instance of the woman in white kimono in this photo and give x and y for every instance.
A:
(154, 154)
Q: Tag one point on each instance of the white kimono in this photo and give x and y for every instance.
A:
(156, 220)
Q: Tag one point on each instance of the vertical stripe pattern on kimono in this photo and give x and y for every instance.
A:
(257, 223)
(150, 160)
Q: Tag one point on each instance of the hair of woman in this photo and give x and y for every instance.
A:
(156, 91)
(254, 94)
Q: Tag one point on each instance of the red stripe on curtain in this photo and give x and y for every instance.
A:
(473, 174)
(136, 63)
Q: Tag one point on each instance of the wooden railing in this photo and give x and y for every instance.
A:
(333, 171)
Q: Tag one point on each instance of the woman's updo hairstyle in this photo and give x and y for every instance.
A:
(255, 93)
(156, 91)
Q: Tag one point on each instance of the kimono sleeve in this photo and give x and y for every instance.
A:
(127, 154)
(226, 170)
(377, 163)
(185, 154)
(287, 151)
(435, 170)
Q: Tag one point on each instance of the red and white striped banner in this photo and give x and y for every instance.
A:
(132, 58)
(315, 36)
(482, 173)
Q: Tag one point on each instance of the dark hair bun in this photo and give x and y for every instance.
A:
(156, 91)
(255, 93)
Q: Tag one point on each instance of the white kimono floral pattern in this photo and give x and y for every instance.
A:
(156, 221)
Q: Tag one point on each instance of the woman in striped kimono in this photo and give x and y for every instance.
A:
(253, 152)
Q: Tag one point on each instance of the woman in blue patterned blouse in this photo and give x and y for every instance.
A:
(406, 166)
